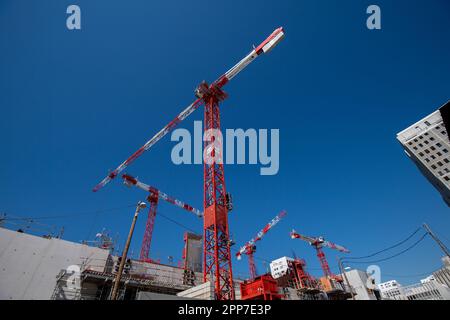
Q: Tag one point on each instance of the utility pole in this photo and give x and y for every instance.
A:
(435, 238)
(115, 291)
(345, 278)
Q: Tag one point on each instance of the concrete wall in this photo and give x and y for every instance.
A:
(143, 295)
(29, 264)
(205, 291)
(358, 280)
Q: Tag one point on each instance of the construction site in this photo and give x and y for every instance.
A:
(59, 270)
(37, 266)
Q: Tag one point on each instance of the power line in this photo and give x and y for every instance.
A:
(5, 217)
(384, 250)
(393, 256)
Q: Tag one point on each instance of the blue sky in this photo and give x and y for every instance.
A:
(74, 104)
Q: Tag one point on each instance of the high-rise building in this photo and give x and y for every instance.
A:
(427, 143)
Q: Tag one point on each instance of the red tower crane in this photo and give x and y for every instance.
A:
(318, 243)
(216, 244)
(153, 198)
(249, 248)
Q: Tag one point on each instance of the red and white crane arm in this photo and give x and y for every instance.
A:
(264, 47)
(335, 246)
(260, 234)
(295, 235)
(129, 180)
(318, 241)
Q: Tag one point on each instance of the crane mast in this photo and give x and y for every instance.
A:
(153, 198)
(216, 243)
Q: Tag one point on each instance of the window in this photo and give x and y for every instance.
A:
(427, 160)
(440, 173)
(440, 164)
(433, 157)
(426, 142)
(427, 123)
(438, 145)
(444, 150)
(446, 178)
(446, 160)
(432, 148)
(420, 145)
(439, 154)
(431, 138)
(421, 154)
(427, 151)
(443, 133)
(434, 166)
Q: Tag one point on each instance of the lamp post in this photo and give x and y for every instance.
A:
(115, 291)
(341, 268)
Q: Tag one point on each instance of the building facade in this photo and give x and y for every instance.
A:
(427, 144)
(443, 274)
(427, 290)
(392, 290)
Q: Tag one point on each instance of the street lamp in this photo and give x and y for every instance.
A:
(140, 205)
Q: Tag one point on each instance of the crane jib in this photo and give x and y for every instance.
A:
(268, 44)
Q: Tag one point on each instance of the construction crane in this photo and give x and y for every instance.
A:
(318, 243)
(249, 248)
(216, 245)
(153, 198)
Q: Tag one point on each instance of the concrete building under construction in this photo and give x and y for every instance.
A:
(42, 268)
